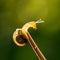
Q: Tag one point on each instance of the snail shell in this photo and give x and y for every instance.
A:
(19, 37)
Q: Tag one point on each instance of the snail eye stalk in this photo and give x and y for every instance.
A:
(40, 21)
(21, 36)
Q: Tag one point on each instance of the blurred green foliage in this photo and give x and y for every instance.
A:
(15, 13)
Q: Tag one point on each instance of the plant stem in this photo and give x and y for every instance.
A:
(35, 47)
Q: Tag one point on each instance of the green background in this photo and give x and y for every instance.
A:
(15, 13)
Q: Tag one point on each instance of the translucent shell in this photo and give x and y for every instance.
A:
(19, 38)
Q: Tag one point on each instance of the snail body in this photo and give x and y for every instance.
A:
(19, 36)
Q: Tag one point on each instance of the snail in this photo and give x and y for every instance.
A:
(19, 35)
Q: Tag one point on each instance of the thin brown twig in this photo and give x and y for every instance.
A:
(35, 47)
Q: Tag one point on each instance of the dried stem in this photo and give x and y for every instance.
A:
(35, 47)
